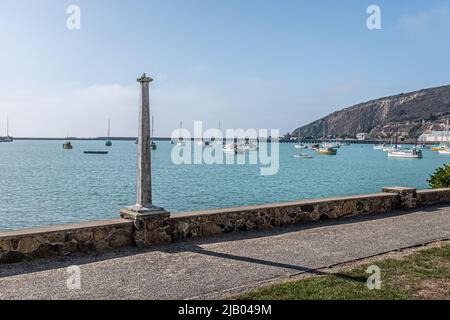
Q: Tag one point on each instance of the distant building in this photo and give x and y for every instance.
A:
(435, 136)
(362, 136)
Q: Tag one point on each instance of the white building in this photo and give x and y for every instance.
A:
(435, 136)
(362, 136)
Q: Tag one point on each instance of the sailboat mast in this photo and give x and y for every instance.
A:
(109, 128)
(7, 127)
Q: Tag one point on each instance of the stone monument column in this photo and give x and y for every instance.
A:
(152, 223)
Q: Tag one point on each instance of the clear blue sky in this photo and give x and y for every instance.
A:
(248, 63)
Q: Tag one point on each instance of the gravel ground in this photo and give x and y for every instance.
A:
(218, 267)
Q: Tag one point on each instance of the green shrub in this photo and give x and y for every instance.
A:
(440, 178)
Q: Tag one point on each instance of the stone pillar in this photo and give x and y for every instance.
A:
(152, 224)
(407, 196)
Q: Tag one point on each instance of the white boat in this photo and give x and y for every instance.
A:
(445, 151)
(233, 148)
(379, 147)
(8, 138)
(331, 145)
(300, 146)
(249, 146)
(180, 142)
(303, 155)
(406, 153)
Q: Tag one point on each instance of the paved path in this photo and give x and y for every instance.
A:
(216, 267)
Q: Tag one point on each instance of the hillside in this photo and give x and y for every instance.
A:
(411, 113)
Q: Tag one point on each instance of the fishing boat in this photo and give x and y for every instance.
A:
(95, 152)
(406, 153)
(108, 142)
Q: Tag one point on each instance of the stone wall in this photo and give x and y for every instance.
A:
(146, 230)
(61, 240)
(432, 197)
(216, 222)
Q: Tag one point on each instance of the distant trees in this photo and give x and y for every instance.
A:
(440, 178)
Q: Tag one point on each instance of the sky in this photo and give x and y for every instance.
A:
(247, 63)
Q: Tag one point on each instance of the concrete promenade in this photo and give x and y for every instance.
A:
(218, 267)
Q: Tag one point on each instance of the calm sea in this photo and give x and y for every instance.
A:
(41, 184)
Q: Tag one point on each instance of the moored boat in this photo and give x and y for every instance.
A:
(445, 151)
(95, 152)
(300, 146)
(329, 151)
(233, 148)
(67, 145)
(108, 142)
(406, 153)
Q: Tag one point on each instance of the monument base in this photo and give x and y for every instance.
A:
(152, 224)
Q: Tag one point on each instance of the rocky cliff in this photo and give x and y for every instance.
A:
(409, 113)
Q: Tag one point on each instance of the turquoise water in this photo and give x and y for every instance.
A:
(41, 184)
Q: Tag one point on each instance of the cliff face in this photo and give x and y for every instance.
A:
(409, 113)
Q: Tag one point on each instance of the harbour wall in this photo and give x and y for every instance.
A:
(160, 228)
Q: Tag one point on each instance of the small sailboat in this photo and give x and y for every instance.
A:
(249, 145)
(108, 142)
(299, 145)
(315, 147)
(233, 148)
(67, 145)
(379, 147)
(8, 138)
(180, 141)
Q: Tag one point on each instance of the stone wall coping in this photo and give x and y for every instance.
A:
(399, 189)
(433, 190)
(59, 228)
(182, 215)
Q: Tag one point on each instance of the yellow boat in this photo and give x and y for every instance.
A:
(328, 151)
(438, 148)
